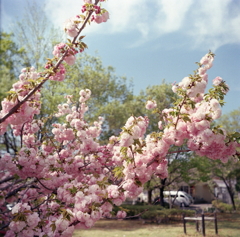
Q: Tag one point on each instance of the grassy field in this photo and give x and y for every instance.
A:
(228, 226)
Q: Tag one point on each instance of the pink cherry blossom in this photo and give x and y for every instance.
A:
(70, 60)
(206, 60)
(151, 104)
(105, 16)
(121, 214)
(70, 27)
(59, 75)
(98, 19)
(217, 81)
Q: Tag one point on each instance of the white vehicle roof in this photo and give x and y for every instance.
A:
(175, 192)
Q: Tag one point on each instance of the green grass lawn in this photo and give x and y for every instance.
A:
(228, 226)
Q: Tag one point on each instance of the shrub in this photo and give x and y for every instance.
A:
(154, 213)
(237, 203)
(221, 206)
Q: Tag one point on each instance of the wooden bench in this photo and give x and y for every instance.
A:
(201, 219)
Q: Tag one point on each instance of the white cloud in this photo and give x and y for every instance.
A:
(215, 24)
(59, 11)
(171, 14)
(204, 23)
(123, 14)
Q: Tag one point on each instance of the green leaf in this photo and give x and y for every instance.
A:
(186, 119)
(139, 151)
(118, 171)
(123, 150)
(138, 183)
(137, 142)
(53, 225)
(81, 37)
(73, 190)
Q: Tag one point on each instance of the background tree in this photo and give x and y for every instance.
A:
(231, 121)
(38, 37)
(10, 61)
(215, 169)
(117, 112)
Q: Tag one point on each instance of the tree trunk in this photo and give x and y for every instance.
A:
(150, 196)
(231, 193)
(233, 202)
(161, 189)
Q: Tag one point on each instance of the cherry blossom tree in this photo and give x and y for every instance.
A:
(66, 178)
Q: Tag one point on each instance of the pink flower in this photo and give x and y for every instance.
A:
(160, 125)
(98, 19)
(70, 27)
(60, 74)
(70, 60)
(68, 232)
(113, 191)
(58, 49)
(174, 88)
(185, 82)
(126, 139)
(121, 214)
(17, 226)
(97, 9)
(105, 16)
(151, 104)
(61, 224)
(207, 59)
(28, 233)
(217, 81)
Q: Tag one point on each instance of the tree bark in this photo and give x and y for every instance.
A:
(161, 189)
(230, 192)
(149, 196)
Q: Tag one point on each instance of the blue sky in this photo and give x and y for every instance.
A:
(152, 40)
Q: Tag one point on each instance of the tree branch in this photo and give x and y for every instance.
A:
(46, 77)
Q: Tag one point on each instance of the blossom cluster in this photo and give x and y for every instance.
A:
(101, 15)
(192, 120)
(61, 48)
(20, 89)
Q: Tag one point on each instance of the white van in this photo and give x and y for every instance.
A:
(179, 198)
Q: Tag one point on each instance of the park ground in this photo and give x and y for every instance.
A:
(228, 226)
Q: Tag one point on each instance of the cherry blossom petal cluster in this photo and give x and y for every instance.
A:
(151, 104)
(19, 90)
(61, 48)
(59, 75)
(71, 26)
(101, 15)
(134, 128)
